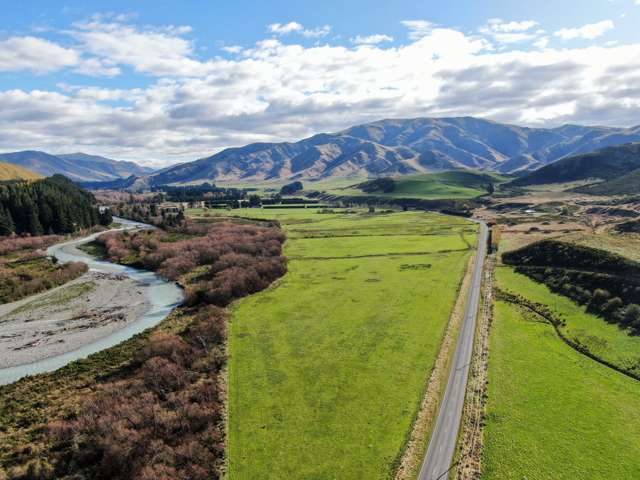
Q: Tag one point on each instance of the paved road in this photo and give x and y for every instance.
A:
(437, 462)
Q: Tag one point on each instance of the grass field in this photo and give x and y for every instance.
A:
(603, 339)
(328, 368)
(552, 412)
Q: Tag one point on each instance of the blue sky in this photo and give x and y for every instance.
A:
(161, 82)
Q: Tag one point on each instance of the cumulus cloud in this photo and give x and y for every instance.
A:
(35, 54)
(499, 25)
(276, 90)
(95, 67)
(503, 32)
(371, 39)
(295, 27)
(284, 29)
(157, 51)
(317, 32)
(232, 49)
(587, 32)
(418, 28)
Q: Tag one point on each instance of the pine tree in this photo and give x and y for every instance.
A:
(6, 222)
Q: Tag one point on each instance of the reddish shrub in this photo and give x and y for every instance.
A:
(163, 420)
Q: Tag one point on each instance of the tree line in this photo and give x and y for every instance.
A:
(53, 205)
(606, 283)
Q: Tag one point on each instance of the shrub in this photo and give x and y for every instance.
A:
(631, 316)
(162, 417)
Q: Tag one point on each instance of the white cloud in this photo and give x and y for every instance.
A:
(232, 49)
(277, 90)
(284, 29)
(156, 51)
(95, 67)
(316, 32)
(372, 39)
(418, 28)
(503, 32)
(587, 32)
(543, 42)
(35, 54)
(499, 25)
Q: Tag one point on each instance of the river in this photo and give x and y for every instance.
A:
(163, 296)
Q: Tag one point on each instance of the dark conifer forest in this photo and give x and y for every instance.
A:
(53, 205)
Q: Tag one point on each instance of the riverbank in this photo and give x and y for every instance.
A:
(105, 306)
(68, 317)
(159, 394)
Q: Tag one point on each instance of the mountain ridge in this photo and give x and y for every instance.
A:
(397, 147)
(76, 166)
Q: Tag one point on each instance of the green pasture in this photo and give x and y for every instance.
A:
(432, 186)
(328, 367)
(553, 412)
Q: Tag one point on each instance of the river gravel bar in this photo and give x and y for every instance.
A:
(68, 317)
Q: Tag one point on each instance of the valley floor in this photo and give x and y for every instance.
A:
(328, 368)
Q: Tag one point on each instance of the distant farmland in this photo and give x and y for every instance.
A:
(328, 368)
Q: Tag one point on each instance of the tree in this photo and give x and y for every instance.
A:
(631, 316)
(106, 218)
(254, 201)
(600, 296)
(291, 188)
(54, 204)
(491, 188)
(6, 222)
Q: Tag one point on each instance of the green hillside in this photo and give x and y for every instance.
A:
(625, 185)
(605, 164)
(431, 186)
(9, 171)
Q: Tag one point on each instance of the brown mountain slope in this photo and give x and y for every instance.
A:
(9, 171)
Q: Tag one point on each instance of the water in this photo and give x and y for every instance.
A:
(163, 297)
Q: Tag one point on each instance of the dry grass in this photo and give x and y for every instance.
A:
(470, 442)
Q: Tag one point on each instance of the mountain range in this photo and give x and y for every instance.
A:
(382, 148)
(79, 167)
(397, 147)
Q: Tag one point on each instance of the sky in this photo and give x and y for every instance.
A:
(161, 82)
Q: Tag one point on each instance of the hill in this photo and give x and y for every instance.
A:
(399, 147)
(625, 185)
(605, 164)
(9, 171)
(76, 166)
(453, 184)
(49, 205)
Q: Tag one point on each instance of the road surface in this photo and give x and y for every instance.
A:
(442, 445)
